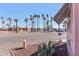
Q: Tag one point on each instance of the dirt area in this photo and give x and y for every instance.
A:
(14, 40)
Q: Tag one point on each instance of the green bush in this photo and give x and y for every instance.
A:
(46, 49)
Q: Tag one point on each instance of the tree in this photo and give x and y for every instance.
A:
(37, 17)
(26, 20)
(3, 22)
(47, 15)
(44, 18)
(16, 21)
(51, 23)
(47, 23)
(31, 19)
(34, 17)
(9, 19)
(7, 26)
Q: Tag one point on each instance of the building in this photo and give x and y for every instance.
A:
(70, 12)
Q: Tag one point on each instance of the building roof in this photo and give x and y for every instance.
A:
(61, 14)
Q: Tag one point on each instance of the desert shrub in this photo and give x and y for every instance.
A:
(46, 49)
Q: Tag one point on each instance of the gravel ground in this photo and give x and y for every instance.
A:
(12, 39)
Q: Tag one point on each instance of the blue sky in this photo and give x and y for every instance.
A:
(23, 10)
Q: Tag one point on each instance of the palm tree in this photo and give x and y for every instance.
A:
(51, 23)
(38, 16)
(47, 25)
(34, 17)
(31, 19)
(7, 26)
(44, 18)
(3, 22)
(47, 15)
(16, 21)
(47, 21)
(2, 18)
(26, 20)
(9, 19)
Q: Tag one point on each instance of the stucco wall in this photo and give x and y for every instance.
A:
(69, 38)
(74, 30)
(69, 44)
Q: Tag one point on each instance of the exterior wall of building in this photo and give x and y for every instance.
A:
(69, 38)
(72, 29)
(73, 34)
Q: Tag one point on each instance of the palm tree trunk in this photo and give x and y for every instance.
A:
(31, 26)
(44, 25)
(10, 24)
(10, 27)
(51, 27)
(16, 28)
(37, 24)
(26, 26)
(48, 29)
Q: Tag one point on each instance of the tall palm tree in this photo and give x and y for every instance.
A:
(7, 26)
(34, 17)
(9, 19)
(47, 25)
(47, 15)
(3, 22)
(16, 21)
(51, 23)
(47, 19)
(38, 16)
(31, 19)
(44, 18)
(26, 20)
